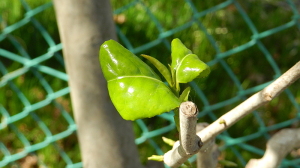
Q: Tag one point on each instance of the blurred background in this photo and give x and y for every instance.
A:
(247, 44)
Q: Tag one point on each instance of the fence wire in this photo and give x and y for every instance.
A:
(247, 45)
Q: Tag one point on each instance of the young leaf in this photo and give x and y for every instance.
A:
(160, 67)
(178, 52)
(158, 158)
(168, 141)
(187, 66)
(191, 67)
(185, 94)
(134, 88)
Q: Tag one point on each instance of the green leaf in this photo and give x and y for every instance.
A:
(176, 119)
(178, 52)
(168, 141)
(191, 67)
(158, 158)
(185, 94)
(134, 88)
(187, 66)
(160, 67)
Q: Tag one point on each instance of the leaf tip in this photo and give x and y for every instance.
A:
(168, 141)
(158, 158)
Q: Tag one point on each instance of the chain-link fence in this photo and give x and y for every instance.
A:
(247, 44)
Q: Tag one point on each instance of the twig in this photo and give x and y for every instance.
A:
(177, 154)
(190, 143)
(188, 120)
(249, 105)
(277, 148)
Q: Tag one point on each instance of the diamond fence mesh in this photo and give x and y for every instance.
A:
(248, 44)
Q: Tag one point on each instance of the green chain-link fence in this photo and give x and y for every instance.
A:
(248, 44)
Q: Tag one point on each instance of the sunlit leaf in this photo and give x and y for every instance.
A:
(168, 141)
(191, 67)
(158, 158)
(178, 52)
(187, 66)
(134, 88)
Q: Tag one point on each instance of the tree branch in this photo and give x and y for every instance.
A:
(278, 147)
(178, 156)
(188, 120)
(190, 143)
(251, 104)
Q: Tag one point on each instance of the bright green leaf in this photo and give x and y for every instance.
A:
(168, 141)
(187, 66)
(191, 67)
(134, 88)
(178, 52)
(160, 67)
(158, 158)
(185, 94)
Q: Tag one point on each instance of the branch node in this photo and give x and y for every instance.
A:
(200, 143)
(222, 121)
(267, 96)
